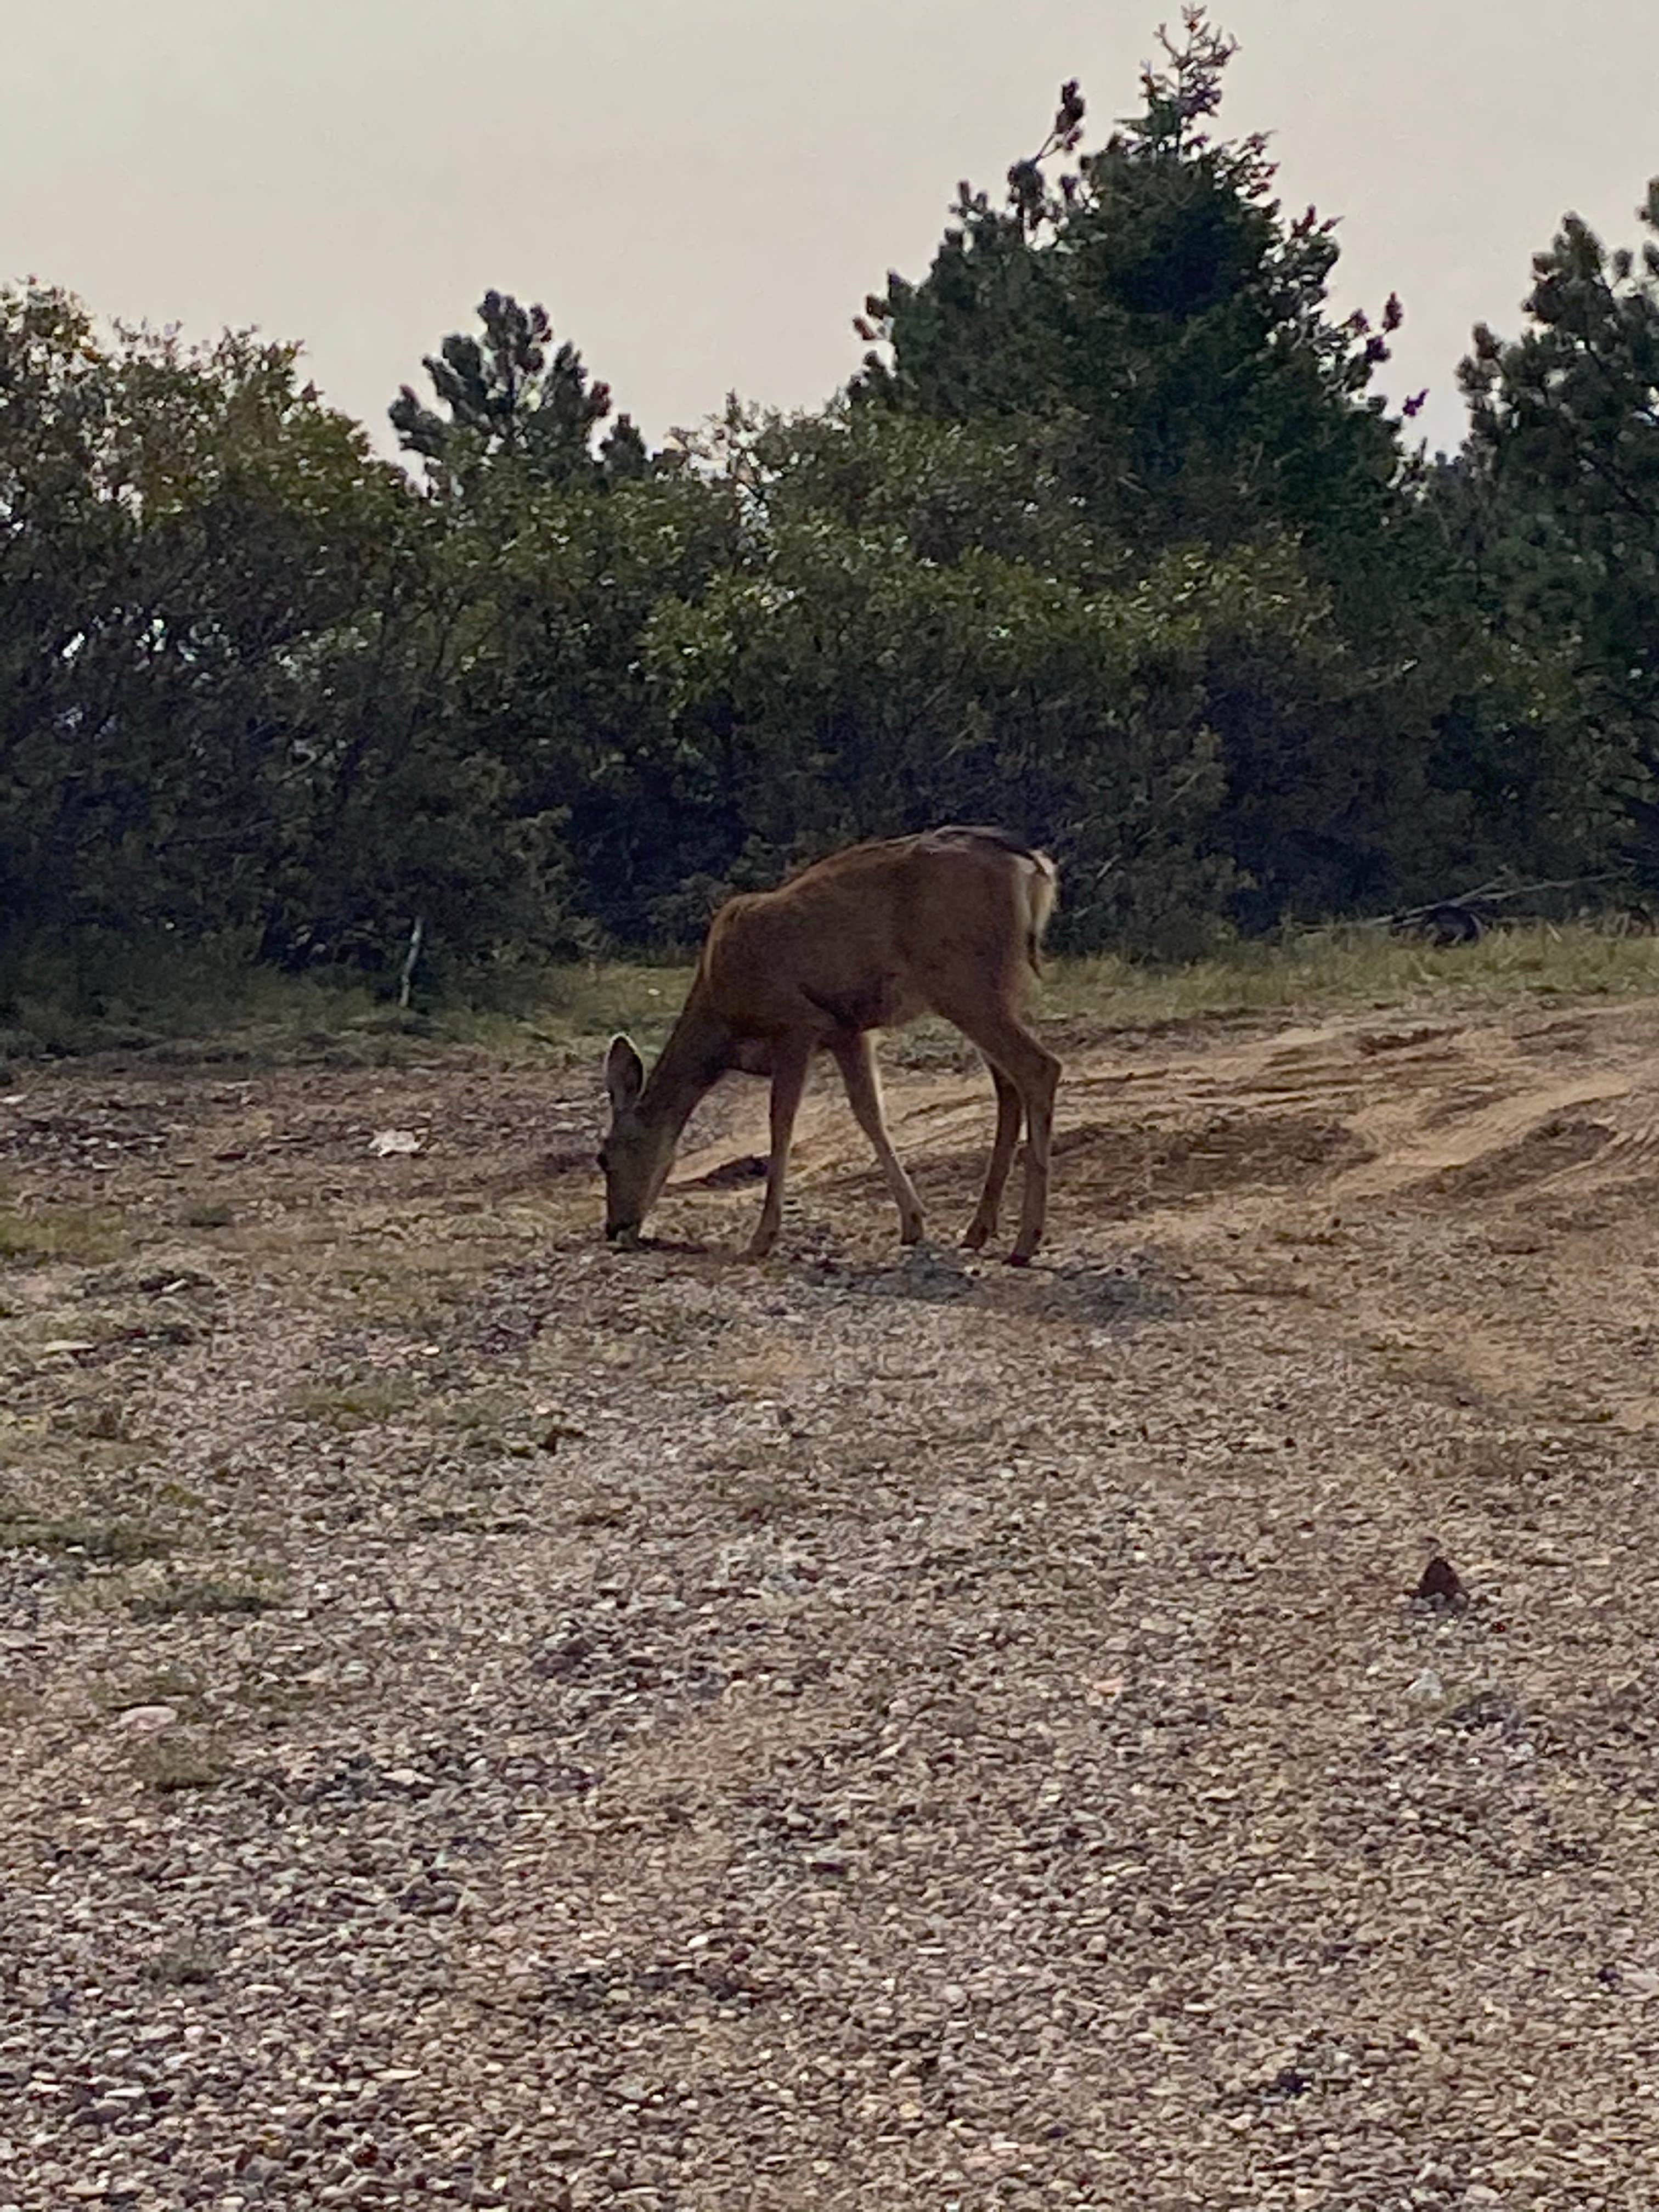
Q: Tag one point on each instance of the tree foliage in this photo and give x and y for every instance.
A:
(1555, 500)
(1110, 538)
(228, 650)
(507, 395)
(1153, 297)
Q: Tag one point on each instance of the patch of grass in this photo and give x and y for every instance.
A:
(470, 1520)
(99, 1421)
(1334, 967)
(214, 1006)
(206, 1217)
(399, 1290)
(170, 1493)
(94, 1543)
(165, 1685)
(359, 1404)
(1355, 967)
(200, 1600)
(177, 1759)
(85, 1235)
(490, 1424)
(573, 1010)
(123, 993)
(490, 1409)
(182, 1966)
(269, 1697)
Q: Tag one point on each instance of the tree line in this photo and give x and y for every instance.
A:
(1109, 539)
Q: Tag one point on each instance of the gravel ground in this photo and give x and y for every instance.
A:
(496, 1721)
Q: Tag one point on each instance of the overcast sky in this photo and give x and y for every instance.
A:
(702, 192)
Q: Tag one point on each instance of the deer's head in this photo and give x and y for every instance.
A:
(638, 1149)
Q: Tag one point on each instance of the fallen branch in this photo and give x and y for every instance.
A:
(1494, 892)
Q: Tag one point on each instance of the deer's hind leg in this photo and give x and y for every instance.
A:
(1033, 1071)
(856, 1057)
(1009, 1113)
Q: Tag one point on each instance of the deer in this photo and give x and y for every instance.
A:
(950, 922)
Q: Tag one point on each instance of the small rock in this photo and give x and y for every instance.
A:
(386, 1142)
(1440, 1586)
(1426, 1687)
(147, 1720)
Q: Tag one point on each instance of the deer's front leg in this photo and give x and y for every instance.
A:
(790, 1059)
(856, 1057)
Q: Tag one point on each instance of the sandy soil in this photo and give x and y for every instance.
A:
(489, 1719)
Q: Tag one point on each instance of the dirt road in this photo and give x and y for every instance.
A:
(492, 1720)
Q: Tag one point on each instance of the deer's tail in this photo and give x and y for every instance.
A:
(1039, 890)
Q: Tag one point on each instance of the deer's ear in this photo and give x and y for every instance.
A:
(624, 1075)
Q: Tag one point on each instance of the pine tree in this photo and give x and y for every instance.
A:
(1153, 301)
(514, 393)
(1562, 471)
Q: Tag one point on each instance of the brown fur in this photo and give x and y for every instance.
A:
(950, 922)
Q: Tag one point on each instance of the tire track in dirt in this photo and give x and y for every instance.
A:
(1452, 1134)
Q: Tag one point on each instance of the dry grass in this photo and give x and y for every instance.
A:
(364, 1403)
(216, 1008)
(86, 1539)
(222, 1012)
(202, 1601)
(179, 1759)
(1328, 969)
(86, 1235)
(1318, 971)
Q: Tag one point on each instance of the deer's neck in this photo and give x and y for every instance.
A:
(697, 1054)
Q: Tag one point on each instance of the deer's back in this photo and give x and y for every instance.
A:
(866, 938)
